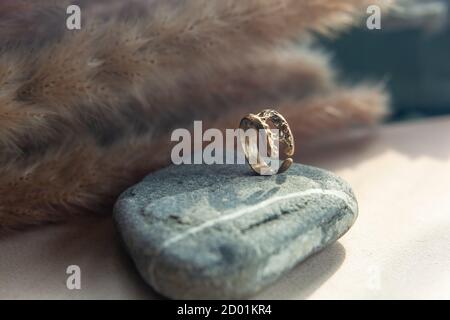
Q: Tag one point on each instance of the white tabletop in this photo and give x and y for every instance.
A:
(399, 248)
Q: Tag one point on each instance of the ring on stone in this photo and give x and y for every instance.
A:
(271, 138)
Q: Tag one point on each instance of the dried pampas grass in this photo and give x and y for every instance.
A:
(82, 112)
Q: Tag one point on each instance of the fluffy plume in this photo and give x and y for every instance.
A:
(76, 179)
(81, 112)
(342, 108)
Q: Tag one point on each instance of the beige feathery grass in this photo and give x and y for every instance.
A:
(82, 112)
(342, 108)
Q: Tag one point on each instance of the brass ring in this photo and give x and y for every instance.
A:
(251, 149)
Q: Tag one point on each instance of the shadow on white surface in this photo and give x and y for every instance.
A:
(307, 276)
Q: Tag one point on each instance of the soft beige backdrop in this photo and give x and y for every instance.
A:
(398, 248)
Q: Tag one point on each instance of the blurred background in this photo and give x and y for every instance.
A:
(410, 54)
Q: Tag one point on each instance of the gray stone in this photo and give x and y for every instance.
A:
(219, 231)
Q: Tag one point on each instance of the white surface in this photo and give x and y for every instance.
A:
(399, 248)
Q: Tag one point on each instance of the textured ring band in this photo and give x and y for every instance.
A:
(261, 121)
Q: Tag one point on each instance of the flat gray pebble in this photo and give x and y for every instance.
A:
(221, 232)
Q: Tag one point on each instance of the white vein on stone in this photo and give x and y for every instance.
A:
(350, 201)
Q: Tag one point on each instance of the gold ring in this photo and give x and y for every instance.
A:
(272, 139)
